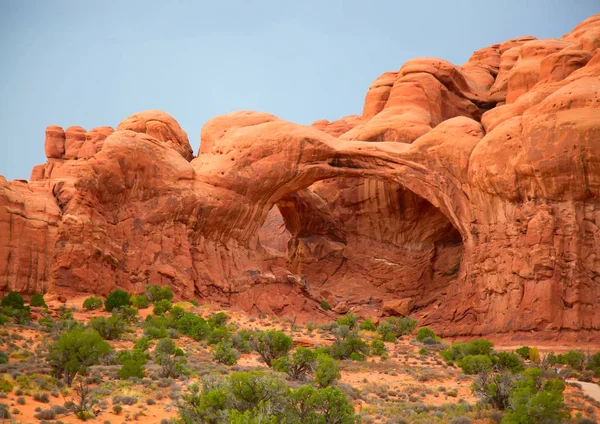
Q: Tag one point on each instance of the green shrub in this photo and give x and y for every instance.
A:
(6, 384)
(574, 358)
(162, 306)
(474, 364)
(225, 353)
(111, 328)
(177, 312)
(533, 403)
(368, 325)
(92, 303)
(378, 347)
(241, 341)
(257, 397)
(353, 348)
(325, 306)
(132, 365)
(37, 300)
(75, 351)
(327, 371)
(424, 333)
(523, 352)
(394, 327)
(594, 364)
(350, 320)
(217, 335)
(13, 300)
(170, 358)
(218, 320)
(140, 301)
(117, 299)
(509, 361)
(271, 345)
(460, 350)
(298, 365)
(157, 293)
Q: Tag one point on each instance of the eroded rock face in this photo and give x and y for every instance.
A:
(466, 195)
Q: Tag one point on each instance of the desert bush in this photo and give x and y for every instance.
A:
(348, 345)
(271, 345)
(297, 365)
(75, 351)
(532, 403)
(460, 350)
(162, 306)
(92, 303)
(38, 300)
(424, 333)
(41, 397)
(574, 358)
(111, 328)
(367, 325)
(378, 347)
(140, 301)
(158, 293)
(349, 320)
(218, 320)
(473, 364)
(325, 306)
(13, 300)
(124, 400)
(256, 396)
(132, 364)
(523, 352)
(117, 299)
(170, 358)
(394, 327)
(224, 353)
(327, 370)
(508, 361)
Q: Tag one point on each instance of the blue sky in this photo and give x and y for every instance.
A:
(93, 63)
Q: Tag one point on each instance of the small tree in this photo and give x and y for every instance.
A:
(327, 371)
(225, 353)
(156, 293)
(140, 301)
(162, 306)
(494, 389)
(117, 299)
(13, 300)
(37, 300)
(424, 333)
(534, 355)
(74, 352)
(508, 361)
(298, 365)
(271, 345)
(92, 303)
(523, 352)
(132, 364)
(368, 325)
(474, 364)
(350, 320)
(111, 328)
(170, 358)
(395, 327)
(378, 347)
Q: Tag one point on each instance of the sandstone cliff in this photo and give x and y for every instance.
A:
(466, 195)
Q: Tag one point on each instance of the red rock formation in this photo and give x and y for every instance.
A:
(466, 195)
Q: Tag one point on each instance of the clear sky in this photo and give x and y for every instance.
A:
(93, 63)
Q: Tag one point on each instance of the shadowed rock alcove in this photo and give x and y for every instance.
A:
(365, 241)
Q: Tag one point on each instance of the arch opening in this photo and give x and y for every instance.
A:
(367, 241)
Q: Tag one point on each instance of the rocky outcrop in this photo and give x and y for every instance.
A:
(466, 195)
